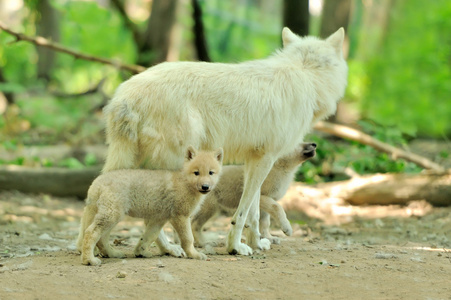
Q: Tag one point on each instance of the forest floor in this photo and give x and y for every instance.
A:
(383, 258)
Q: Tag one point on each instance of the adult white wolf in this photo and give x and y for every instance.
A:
(257, 111)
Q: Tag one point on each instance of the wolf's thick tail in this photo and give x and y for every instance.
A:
(122, 136)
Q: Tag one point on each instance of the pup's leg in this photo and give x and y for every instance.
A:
(206, 211)
(264, 228)
(105, 248)
(149, 236)
(255, 172)
(182, 225)
(88, 215)
(167, 248)
(271, 206)
(254, 239)
(100, 224)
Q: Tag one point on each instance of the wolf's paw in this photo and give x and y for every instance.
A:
(93, 261)
(174, 250)
(240, 249)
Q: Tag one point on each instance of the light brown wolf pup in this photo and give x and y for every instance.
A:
(158, 196)
(227, 194)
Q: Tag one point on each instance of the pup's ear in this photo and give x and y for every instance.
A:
(219, 154)
(190, 153)
(288, 36)
(336, 40)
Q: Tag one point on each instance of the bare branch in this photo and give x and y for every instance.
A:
(43, 42)
(356, 135)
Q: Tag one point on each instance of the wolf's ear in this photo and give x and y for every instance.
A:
(336, 40)
(288, 36)
(219, 154)
(190, 153)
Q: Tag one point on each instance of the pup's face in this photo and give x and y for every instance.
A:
(203, 169)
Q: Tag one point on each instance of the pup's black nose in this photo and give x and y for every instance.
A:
(314, 145)
(205, 187)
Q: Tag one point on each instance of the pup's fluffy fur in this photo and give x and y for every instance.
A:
(257, 111)
(158, 196)
(227, 194)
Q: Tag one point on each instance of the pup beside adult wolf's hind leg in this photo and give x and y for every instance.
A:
(257, 111)
(228, 192)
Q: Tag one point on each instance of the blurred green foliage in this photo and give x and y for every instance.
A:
(409, 81)
(401, 79)
(333, 157)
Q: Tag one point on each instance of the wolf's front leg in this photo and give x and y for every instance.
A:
(255, 172)
(182, 225)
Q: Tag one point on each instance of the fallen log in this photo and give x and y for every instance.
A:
(55, 181)
(377, 189)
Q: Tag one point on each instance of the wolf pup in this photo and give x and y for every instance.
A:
(158, 196)
(258, 111)
(227, 194)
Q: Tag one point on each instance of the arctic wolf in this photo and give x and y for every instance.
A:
(227, 194)
(257, 111)
(158, 196)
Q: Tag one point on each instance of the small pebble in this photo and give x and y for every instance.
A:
(121, 274)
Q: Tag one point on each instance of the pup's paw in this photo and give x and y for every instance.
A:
(93, 261)
(240, 249)
(174, 250)
(273, 239)
(115, 254)
(265, 244)
(198, 255)
(143, 253)
(286, 228)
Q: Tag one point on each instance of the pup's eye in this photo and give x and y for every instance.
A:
(196, 173)
(211, 172)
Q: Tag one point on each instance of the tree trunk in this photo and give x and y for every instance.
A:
(46, 26)
(335, 15)
(157, 37)
(296, 16)
(200, 42)
(8, 95)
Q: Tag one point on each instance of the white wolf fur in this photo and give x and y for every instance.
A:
(257, 111)
(158, 196)
(227, 194)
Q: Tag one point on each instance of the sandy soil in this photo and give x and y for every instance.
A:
(383, 258)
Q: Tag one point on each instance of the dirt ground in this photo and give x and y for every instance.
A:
(382, 258)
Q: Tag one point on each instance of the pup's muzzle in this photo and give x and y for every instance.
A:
(205, 188)
(309, 150)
